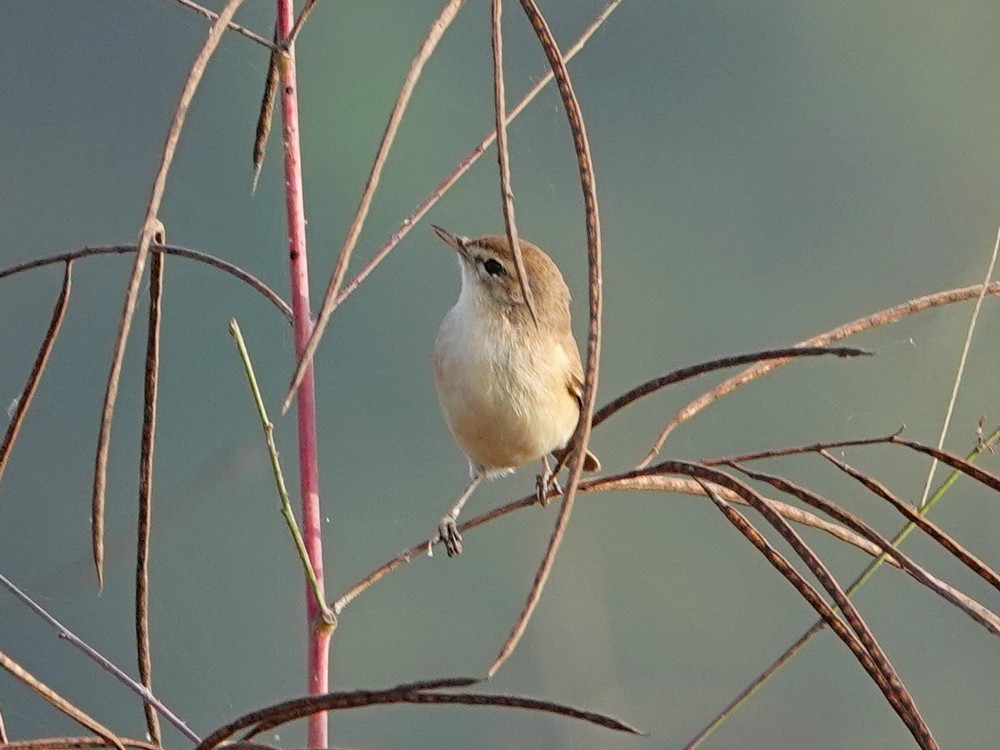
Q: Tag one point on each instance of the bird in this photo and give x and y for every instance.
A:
(510, 384)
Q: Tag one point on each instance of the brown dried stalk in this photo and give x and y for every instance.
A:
(581, 436)
(78, 715)
(266, 114)
(282, 713)
(503, 157)
(132, 294)
(24, 400)
(881, 318)
(976, 565)
(181, 252)
(72, 743)
(979, 613)
(861, 643)
(144, 529)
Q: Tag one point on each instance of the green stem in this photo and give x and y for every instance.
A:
(279, 479)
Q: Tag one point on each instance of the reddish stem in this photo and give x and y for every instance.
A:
(319, 631)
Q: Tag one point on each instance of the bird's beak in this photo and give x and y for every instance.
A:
(452, 240)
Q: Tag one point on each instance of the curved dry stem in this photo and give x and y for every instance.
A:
(975, 610)
(24, 400)
(643, 480)
(881, 318)
(686, 373)
(861, 644)
(503, 157)
(434, 35)
(964, 556)
(282, 713)
(81, 717)
(73, 743)
(147, 446)
(817, 627)
(149, 227)
(182, 252)
(581, 436)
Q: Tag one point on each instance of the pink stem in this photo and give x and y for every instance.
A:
(319, 631)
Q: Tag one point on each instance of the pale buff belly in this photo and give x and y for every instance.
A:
(506, 409)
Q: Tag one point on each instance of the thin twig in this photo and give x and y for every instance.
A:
(4, 739)
(132, 294)
(298, 708)
(74, 743)
(978, 612)
(980, 475)
(427, 48)
(503, 157)
(182, 252)
(231, 25)
(24, 400)
(894, 692)
(52, 697)
(685, 373)
(465, 164)
(631, 480)
(300, 21)
(968, 559)
(881, 318)
(279, 478)
(789, 653)
(147, 447)
(581, 436)
(961, 370)
(67, 635)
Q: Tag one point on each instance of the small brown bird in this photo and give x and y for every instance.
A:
(510, 390)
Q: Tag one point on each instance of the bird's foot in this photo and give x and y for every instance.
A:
(449, 536)
(545, 482)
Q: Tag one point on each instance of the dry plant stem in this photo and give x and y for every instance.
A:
(961, 370)
(279, 477)
(149, 226)
(24, 400)
(626, 481)
(282, 713)
(463, 166)
(4, 739)
(85, 720)
(980, 475)
(265, 116)
(979, 613)
(686, 373)
(968, 559)
(212, 15)
(146, 492)
(894, 692)
(430, 43)
(817, 626)
(581, 436)
(67, 635)
(181, 252)
(881, 318)
(303, 16)
(318, 630)
(72, 743)
(503, 157)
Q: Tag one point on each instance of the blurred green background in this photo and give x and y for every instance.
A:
(766, 172)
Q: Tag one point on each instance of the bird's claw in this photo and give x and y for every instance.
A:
(449, 536)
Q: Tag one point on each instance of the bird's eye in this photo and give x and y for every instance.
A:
(494, 267)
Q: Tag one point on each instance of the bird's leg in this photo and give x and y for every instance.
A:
(544, 481)
(448, 527)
